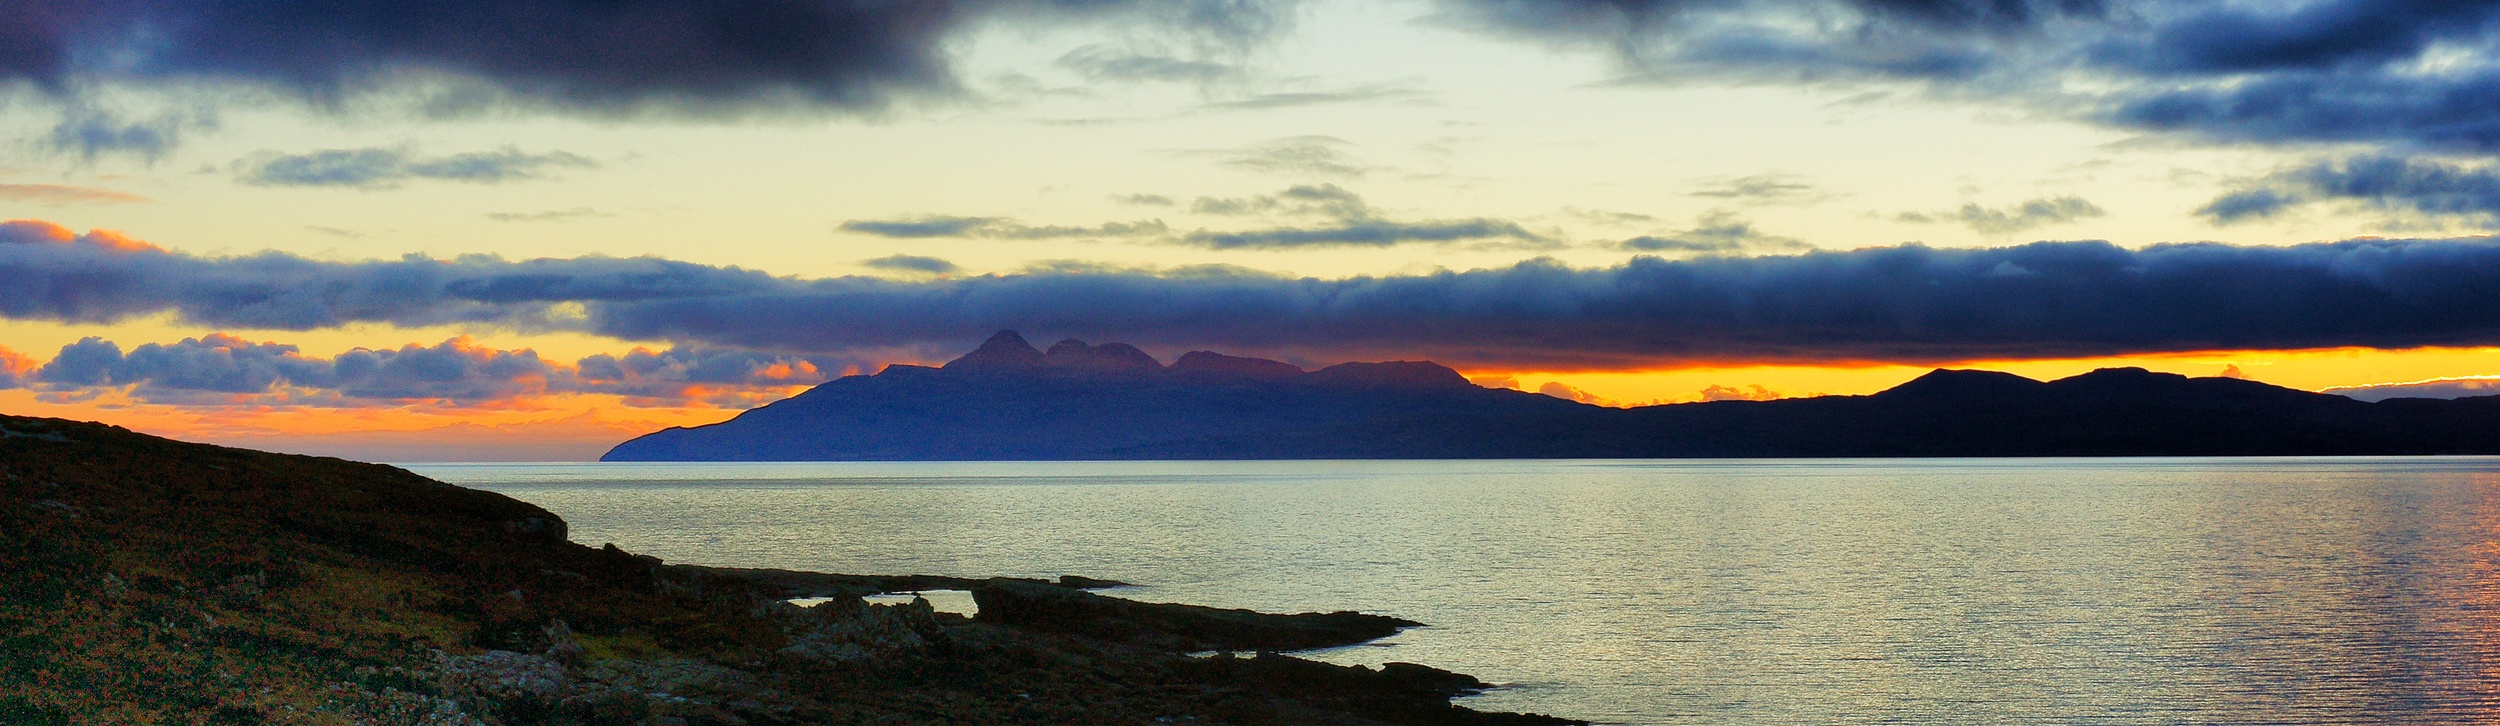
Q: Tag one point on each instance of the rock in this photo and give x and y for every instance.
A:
(1181, 628)
(1082, 582)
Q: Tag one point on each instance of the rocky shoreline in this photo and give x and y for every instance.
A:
(155, 581)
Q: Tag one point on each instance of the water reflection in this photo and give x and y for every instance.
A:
(2099, 591)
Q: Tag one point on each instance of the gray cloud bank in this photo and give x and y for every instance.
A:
(380, 168)
(2026, 216)
(1909, 304)
(223, 369)
(2395, 184)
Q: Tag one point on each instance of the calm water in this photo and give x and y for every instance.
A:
(2154, 591)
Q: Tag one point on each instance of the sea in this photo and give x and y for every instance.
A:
(1937, 591)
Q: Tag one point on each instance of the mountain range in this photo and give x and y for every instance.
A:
(1007, 400)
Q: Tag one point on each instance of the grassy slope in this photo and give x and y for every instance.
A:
(153, 581)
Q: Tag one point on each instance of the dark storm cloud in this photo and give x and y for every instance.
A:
(2333, 70)
(586, 55)
(2028, 215)
(1904, 304)
(2319, 35)
(2403, 185)
(379, 168)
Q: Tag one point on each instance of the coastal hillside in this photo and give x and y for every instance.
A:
(153, 581)
(1009, 401)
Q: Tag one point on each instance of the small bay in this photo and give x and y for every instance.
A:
(2123, 591)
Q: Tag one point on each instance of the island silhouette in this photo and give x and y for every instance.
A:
(1008, 400)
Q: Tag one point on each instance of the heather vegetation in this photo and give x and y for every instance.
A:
(153, 581)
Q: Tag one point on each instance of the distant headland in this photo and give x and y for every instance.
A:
(1008, 400)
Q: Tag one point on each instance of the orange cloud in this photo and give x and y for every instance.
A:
(33, 231)
(59, 194)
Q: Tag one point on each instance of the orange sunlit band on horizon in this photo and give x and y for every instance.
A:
(533, 419)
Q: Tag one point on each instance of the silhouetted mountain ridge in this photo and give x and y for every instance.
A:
(1008, 400)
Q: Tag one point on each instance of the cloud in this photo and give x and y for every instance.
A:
(1902, 304)
(2247, 204)
(55, 195)
(2395, 73)
(1104, 63)
(90, 133)
(1366, 233)
(220, 369)
(2408, 185)
(1959, 40)
(1718, 233)
(2020, 217)
(924, 226)
(1755, 392)
(582, 56)
(1352, 223)
(1143, 200)
(553, 215)
(913, 263)
(1295, 156)
(16, 369)
(1764, 189)
(1294, 99)
(2449, 388)
(997, 228)
(1328, 200)
(1567, 392)
(380, 168)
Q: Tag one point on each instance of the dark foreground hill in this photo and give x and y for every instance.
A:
(147, 581)
(1007, 401)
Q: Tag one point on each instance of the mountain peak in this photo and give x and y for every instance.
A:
(1210, 361)
(1957, 383)
(1005, 349)
(1073, 353)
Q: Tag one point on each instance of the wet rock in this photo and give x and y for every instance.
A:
(1082, 582)
(1182, 628)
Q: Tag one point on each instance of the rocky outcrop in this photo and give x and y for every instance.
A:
(213, 585)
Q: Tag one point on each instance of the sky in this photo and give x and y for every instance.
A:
(529, 229)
